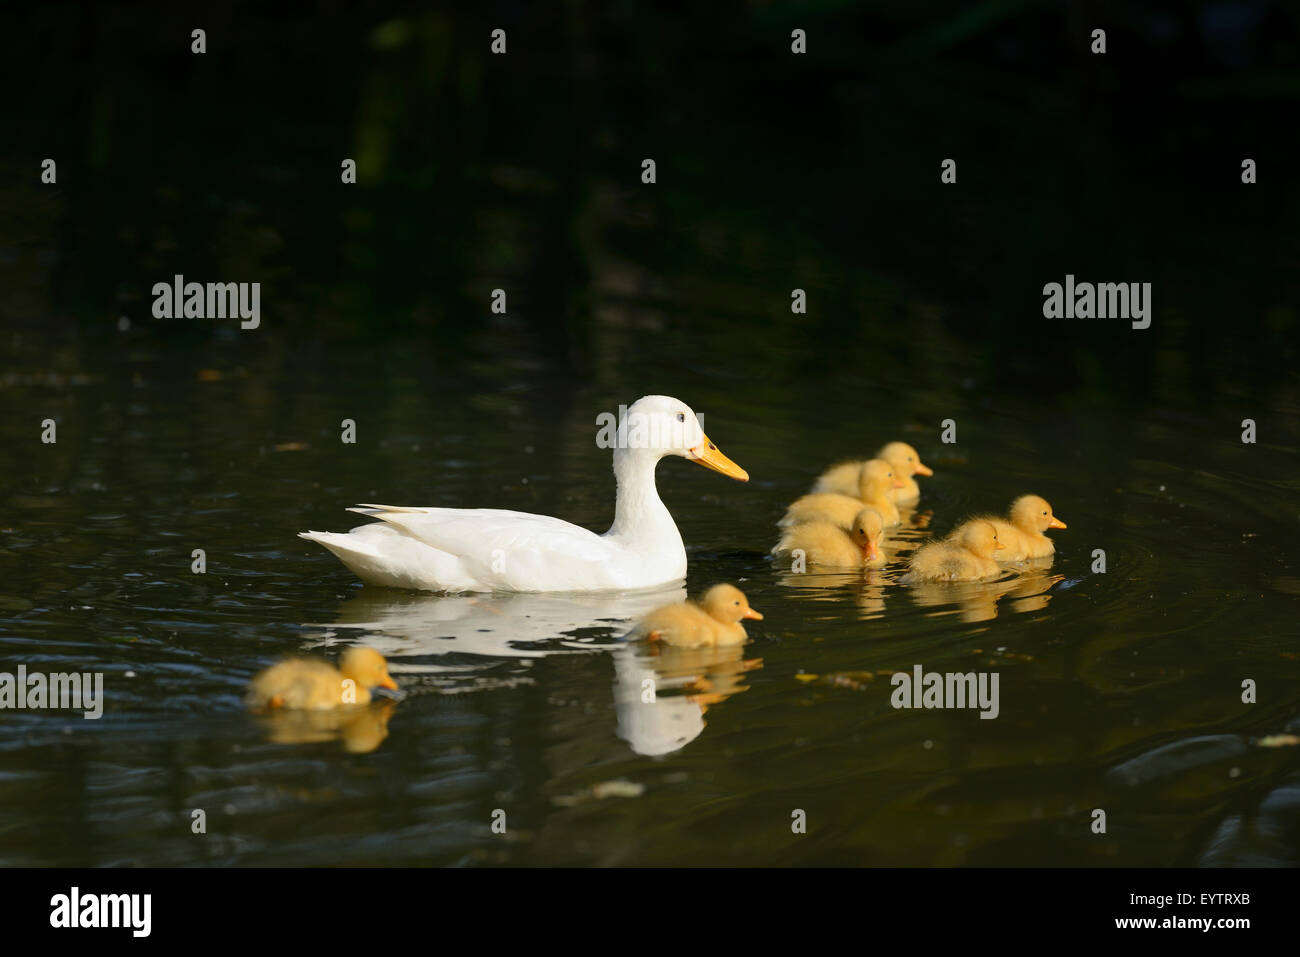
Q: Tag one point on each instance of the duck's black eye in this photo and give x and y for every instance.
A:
(681, 416)
(1044, 513)
(736, 603)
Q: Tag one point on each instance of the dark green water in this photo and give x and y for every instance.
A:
(1119, 691)
(522, 703)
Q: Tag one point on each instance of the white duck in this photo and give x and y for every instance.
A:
(489, 549)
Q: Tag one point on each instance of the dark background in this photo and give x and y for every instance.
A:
(774, 171)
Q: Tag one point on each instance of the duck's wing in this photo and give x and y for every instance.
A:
(508, 549)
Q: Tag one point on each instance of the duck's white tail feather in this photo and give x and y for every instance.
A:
(381, 555)
(363, 509)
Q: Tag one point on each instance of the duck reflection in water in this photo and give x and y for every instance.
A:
(359, 730)
(867, 588)
(516, 625)
(662, 692)
(480, 633)
(1030, 590)
(691, 650)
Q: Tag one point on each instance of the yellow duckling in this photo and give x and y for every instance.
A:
(876, 480)
(843, 478)
(825, 543)
(1021, 533)
(714, 620)
(965, 555)
(318, 685)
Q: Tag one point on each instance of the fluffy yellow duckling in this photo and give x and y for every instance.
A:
(965, 555)
(318, 685)
(825, 543)
(876, 480)
(843, 478)
(1021, 533)
(714, 620)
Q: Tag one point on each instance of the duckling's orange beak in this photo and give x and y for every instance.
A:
(388, 682)
(997, 546)
(872, 550)
(923, 469)
(708, 455)
(1056, 523)
(750, 613)
(898, 483)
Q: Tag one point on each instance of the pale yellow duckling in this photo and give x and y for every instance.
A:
(317, 685)
(843, 478)
(965, 555)
(876, 480)
(825, 543)
(1021, 533)
(714, 620)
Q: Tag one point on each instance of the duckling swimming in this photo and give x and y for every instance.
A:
(1021, 534)
(965, 555)
(318, 686)
(714, 620)
(825, 543)
(906, 461)
(876, 480)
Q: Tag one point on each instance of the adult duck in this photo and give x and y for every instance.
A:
(489, 549)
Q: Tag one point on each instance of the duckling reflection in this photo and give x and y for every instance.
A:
(360, 730)
(867, 588)
(915, 518)
(662, 691)
(978, 600)
(1032, 588)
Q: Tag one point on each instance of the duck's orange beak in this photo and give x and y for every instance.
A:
(923, 469)
(872, 550)
(998, 546)
(708, 455)
(388, 682)
(898, 483)
(1056, 523)
(750, 613)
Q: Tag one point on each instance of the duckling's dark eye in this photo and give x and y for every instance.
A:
(736, 603)
(909, 458)
(681, 416)
(1044, 513)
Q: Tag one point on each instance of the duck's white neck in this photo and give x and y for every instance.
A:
(639, 515)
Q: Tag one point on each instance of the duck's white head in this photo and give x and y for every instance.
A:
(667, 426)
